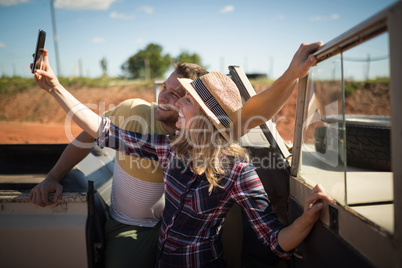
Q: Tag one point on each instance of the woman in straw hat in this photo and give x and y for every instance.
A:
(205, 172)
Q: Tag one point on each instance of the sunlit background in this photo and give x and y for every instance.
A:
(259, 35)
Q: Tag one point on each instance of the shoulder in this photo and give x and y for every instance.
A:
(242, 166)
(244, 173)
(130, 107)
(240, 171)
(131, 114)
(136, 115)
(247, 183)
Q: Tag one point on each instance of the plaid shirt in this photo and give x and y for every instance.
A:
(193, 218)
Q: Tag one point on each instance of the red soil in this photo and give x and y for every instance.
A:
(34, 117)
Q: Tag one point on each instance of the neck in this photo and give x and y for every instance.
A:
(169, 128)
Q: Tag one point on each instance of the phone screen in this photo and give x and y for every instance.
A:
(39, 50)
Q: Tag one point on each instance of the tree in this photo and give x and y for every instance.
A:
(148, 63)
(185, 56)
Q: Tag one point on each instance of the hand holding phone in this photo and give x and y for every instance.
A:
(38, 56)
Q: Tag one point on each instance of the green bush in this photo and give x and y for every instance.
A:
(351, 87)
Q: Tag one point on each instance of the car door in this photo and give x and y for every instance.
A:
(348, 139)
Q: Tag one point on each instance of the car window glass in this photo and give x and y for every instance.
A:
(322, 142)
(368, 131)
(346, 132)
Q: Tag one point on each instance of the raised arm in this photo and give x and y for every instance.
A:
(82, 115)
(263, 106)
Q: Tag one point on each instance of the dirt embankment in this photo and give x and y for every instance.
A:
(34, 116)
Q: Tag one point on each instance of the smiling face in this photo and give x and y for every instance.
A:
(171, 92)
(188, 111)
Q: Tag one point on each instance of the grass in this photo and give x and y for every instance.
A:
(16, 84)
(351, 86)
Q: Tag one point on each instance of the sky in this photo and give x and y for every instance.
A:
(261, 36)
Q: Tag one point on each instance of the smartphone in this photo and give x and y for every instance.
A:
(38, 56)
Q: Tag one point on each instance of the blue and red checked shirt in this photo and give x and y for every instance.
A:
(193, 218)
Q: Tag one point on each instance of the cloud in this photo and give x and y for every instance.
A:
(139, 40)
(335, 16)
(147, 9)
(98, 40)
(13, 2)
(322, 18)
(116, 15)
(2, 44)
(227, 9)
(83, 4)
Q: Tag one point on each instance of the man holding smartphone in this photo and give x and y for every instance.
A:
(137, 198)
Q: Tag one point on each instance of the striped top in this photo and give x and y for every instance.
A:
(137, 196)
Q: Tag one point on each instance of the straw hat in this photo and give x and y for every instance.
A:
(218, 96)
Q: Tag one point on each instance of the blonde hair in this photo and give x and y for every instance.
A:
(207, 151)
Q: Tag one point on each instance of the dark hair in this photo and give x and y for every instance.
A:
(190, 70)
